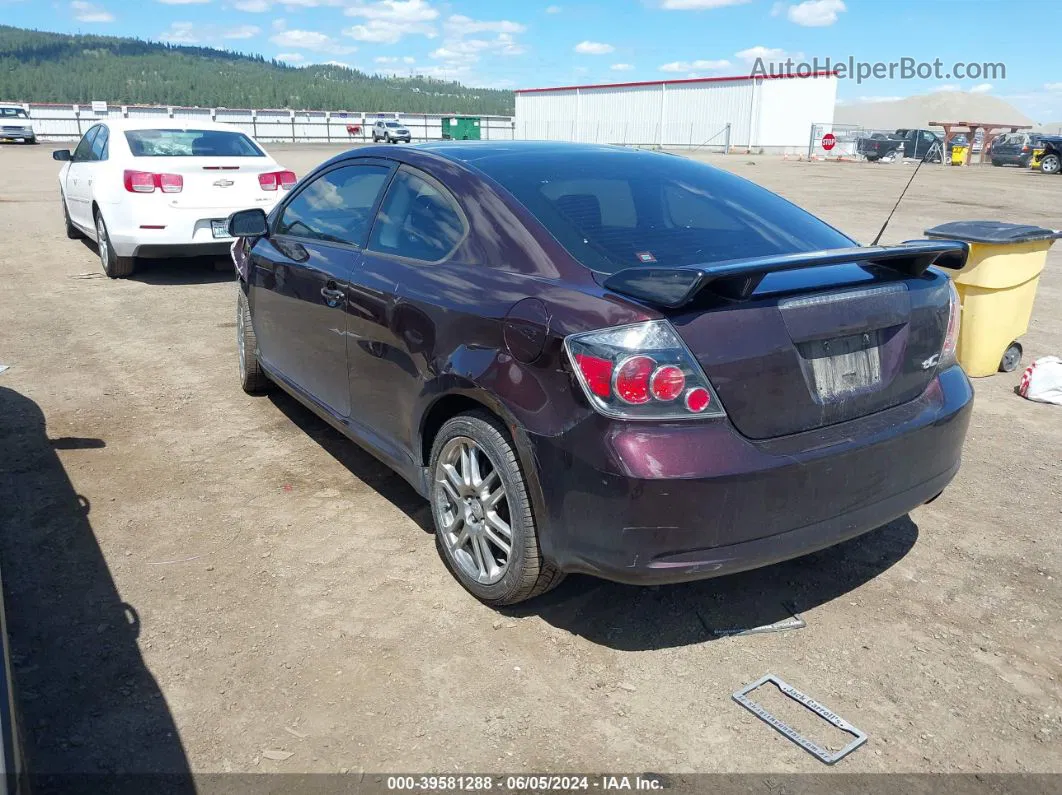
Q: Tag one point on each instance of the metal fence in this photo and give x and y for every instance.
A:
(846, 137)
(69, 122)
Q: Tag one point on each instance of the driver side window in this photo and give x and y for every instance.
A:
(84, 149)
(336, 207)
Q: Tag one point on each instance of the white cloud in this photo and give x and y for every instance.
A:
(981, 88)
(386, 59)
(621, 67)
(88, 12)
(767, 54)
(686, 66)
(777, 9)
(181, 33)
(815, 13)
(241, 32)
(252, 6)
(387, 21)
(945, 87)
(459, 25)
(191, 33)
(459, 49)
(310, 40)
(553, 9)
(699, 5)
(593, 48)
(183, 2)
(291, 57)
(1052, 86)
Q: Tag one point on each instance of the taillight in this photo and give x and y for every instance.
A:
(275, 179)
(951, 337)
(146, 182)
(641, 372)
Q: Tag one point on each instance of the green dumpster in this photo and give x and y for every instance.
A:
(461, 128)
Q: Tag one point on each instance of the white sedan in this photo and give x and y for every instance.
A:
(150, 188)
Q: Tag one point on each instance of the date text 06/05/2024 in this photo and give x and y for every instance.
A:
(521, 783)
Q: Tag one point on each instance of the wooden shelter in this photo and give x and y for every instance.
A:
(970, 128)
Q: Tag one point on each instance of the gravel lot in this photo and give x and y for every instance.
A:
(198, 579)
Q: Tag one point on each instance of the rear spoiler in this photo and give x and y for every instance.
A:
(736, 279)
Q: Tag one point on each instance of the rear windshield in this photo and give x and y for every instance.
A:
(392, 124)
(13, 113)
(191, 143)
(620, 209)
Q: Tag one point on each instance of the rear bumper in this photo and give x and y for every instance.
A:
(184, 232)
(670, 503)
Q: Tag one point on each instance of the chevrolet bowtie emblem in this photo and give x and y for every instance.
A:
(224, 183)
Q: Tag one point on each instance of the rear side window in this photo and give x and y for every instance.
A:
(336, 207)
(417, 220)
(614, 208)
(191, 143)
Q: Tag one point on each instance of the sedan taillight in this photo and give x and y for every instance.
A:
(951, 336)
(146, 182)
(275, 179)
(641, 372)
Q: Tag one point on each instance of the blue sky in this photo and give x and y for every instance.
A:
(524, 44)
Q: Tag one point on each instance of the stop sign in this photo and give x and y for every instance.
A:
(828, 141)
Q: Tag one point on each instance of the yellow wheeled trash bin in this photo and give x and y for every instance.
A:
(997, 287)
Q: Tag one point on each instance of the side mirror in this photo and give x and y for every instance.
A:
(62, 155)
(248, 223)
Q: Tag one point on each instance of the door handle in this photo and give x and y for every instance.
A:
(332, 295)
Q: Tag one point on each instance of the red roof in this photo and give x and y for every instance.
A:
(673, 82)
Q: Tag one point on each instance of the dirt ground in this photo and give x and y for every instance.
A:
(200, 580)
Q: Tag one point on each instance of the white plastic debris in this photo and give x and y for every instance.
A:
(4, 367)
(1042, 381)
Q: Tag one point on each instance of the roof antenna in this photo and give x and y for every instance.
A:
(935, 147)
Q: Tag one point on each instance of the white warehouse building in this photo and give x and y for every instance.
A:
(772, 114)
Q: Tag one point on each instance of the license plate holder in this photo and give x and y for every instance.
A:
(220, 229)
(813, 748)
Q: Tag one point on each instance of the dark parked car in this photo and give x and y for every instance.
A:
(906, 143)
(603, 360)
(1014, 149)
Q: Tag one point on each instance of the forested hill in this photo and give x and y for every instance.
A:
(51, 67)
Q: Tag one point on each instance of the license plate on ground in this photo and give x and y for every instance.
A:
(220, 228)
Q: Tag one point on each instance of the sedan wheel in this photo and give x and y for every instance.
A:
(253, 379)
(483, 524)
(114, 266)
(72, 231)
(1050, 164)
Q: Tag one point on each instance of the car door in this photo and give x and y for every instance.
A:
(391, 340)
(76, 189)
(300, 279)
(92, 169)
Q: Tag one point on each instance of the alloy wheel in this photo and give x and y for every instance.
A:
(472, 510)
(1050, 164)
(102, 243)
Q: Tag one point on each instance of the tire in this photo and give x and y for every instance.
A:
(253, 379)
(72, 232)
(873, 158)
(1011, 358)
(467, 529)
(1050, 164)
(114, 266)
(997, 163)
